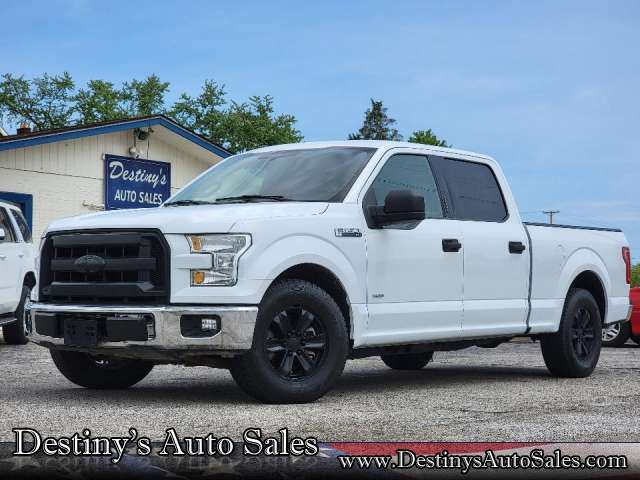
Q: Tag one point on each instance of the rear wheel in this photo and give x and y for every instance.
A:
(99, 371)
(16, 333)
(616, 335)
(299, 347)
(574, 350)
(407, 361)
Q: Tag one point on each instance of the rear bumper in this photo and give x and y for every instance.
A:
(618, 310)
(235, 332)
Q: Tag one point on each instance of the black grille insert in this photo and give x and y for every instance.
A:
(98, 267)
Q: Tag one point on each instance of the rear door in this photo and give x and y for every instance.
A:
(496, 254)
(9, 265)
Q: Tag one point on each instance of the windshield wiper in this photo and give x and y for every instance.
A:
(248, 198)
(179, 203)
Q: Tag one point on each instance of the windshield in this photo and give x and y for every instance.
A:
(313, 175)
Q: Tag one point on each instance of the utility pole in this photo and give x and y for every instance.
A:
(551, 213)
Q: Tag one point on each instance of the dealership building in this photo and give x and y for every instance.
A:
(133, 163)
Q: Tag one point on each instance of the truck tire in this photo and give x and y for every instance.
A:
(15, 333)
(616, 335)
(100, 372)
(407, 361)
(300, 345)
(573, 351)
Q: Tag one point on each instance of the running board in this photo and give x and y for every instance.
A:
(7, 320)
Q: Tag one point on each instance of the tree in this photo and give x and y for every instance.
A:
(427, 137)
(377, 124)
(253, 124)
(44, 102)
(52, 102)
(99, 102)
(144, 97)
(238, 127)
(635, 275)
(204, 113)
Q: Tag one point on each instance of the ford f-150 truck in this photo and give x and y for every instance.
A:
(283, 262)
(17, 276)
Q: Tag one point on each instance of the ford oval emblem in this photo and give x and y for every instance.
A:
(90, 264)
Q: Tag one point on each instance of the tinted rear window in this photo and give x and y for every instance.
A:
(472, 190)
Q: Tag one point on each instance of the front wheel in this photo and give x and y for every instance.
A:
(300, 345)
(99, 371)
(573, 351)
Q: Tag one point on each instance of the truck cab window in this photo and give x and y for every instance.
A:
(22, 225)
(472, 190)
(5, 224)
(406, 172)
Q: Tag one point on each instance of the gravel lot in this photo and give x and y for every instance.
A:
(474, 395)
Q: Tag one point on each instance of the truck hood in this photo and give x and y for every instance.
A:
(189, 219)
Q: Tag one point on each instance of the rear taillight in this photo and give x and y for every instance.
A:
(626, 256)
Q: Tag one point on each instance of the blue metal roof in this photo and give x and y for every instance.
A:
(71, 133)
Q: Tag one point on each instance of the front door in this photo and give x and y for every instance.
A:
(414, 286)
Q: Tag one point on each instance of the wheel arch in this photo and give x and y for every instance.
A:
(586, 269)
(590, 281)
(325, 279)
(29, 279)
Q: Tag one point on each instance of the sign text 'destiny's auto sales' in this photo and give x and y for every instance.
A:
(135, 183)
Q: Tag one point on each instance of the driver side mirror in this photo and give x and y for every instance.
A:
(3, 234)
(399, 206)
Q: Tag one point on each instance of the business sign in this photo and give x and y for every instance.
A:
(135, 183)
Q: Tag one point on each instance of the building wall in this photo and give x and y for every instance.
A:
(67, 178)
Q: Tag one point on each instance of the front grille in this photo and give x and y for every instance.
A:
(97, 267)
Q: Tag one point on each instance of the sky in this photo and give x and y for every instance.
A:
(548, 88)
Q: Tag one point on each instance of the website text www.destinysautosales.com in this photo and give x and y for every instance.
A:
(535, 459)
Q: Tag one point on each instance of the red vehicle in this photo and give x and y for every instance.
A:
(618, 334)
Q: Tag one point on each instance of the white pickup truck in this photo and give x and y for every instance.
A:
(17, 276)
(283, 262)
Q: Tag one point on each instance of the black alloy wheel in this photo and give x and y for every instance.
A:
(573, 351)
(300, 345)
(296, 343)
(583, 334)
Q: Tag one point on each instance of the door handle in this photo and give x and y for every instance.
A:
(21, 255)
(2, 257)
(516, 247)
(451, 245)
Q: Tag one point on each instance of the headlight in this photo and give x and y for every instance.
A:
(225, 251)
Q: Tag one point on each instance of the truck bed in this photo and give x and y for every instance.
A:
(559, 253)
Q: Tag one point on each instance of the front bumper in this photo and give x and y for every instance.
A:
(235, 335)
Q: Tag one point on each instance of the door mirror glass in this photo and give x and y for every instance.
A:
(3, 235)
(399, 206)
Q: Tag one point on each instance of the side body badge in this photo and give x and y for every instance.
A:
(347, 232)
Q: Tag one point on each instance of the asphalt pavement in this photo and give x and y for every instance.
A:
(475, 394)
